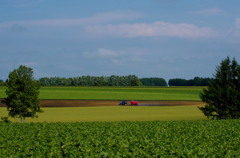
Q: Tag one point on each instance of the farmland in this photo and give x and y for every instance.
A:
(115, 113)
(122, 139)
(120, 131)
(118, 93)
(108, 98)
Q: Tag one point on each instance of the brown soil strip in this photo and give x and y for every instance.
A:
(90, 103)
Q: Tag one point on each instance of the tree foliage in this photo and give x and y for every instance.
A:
(130, 80)
(197, 81)
(222, 97)
(153, 81)
(22, 94)
(2, 83)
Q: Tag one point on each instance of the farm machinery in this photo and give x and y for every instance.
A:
(124, 102)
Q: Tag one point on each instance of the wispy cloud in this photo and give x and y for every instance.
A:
(96, 19)
(159, 28)
(115, 57)
(209, 11)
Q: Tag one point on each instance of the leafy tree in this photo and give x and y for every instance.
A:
(222, 97)
(153, 81)
(130, 80)
(22, 94)
(135, 82)
(197, 81)
(177, 82)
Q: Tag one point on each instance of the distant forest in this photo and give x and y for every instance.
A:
(197, 81)
(130, 80)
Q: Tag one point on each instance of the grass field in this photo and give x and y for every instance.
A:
(118, 93)
(115, 113)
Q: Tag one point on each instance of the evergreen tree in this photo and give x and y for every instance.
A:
(222, 97)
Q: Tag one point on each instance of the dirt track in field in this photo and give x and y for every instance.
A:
(90, 103)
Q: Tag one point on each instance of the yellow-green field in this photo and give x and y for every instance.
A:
(115, 113)
(118, 93)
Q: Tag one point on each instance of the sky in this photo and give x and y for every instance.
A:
(147, 38)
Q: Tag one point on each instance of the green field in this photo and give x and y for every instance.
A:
(118, 93)
(115, 113)
(120, 131)
(186, 139)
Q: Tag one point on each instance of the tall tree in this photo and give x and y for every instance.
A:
(222, 97)
(22, 94)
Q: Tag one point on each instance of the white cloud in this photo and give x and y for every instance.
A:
(210, 11)
(96, 19)
(116, 57)
(159, 28)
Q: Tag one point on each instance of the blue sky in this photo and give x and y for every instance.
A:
(147, 38)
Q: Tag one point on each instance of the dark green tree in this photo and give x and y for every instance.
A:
(222, 97)
(153, 81)
(22, 94)
(177, 82)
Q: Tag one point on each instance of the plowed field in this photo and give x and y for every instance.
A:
(88, 103)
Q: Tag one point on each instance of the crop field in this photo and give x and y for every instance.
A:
(63, 97)
(115, 113)
(120, 131)
(118, 93)
(122, 139)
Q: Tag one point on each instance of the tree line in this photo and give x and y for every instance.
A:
(113, 80)
(153, 81)
(130, 80)
(197, 81)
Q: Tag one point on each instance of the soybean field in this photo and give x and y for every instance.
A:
(207, 138)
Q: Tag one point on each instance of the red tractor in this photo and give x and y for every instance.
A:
(134, 103)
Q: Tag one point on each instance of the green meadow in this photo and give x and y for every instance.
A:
(118, 93)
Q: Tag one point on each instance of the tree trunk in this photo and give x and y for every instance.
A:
(22, 119)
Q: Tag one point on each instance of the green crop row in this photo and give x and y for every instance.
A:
(118, 93)
(121, 139)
